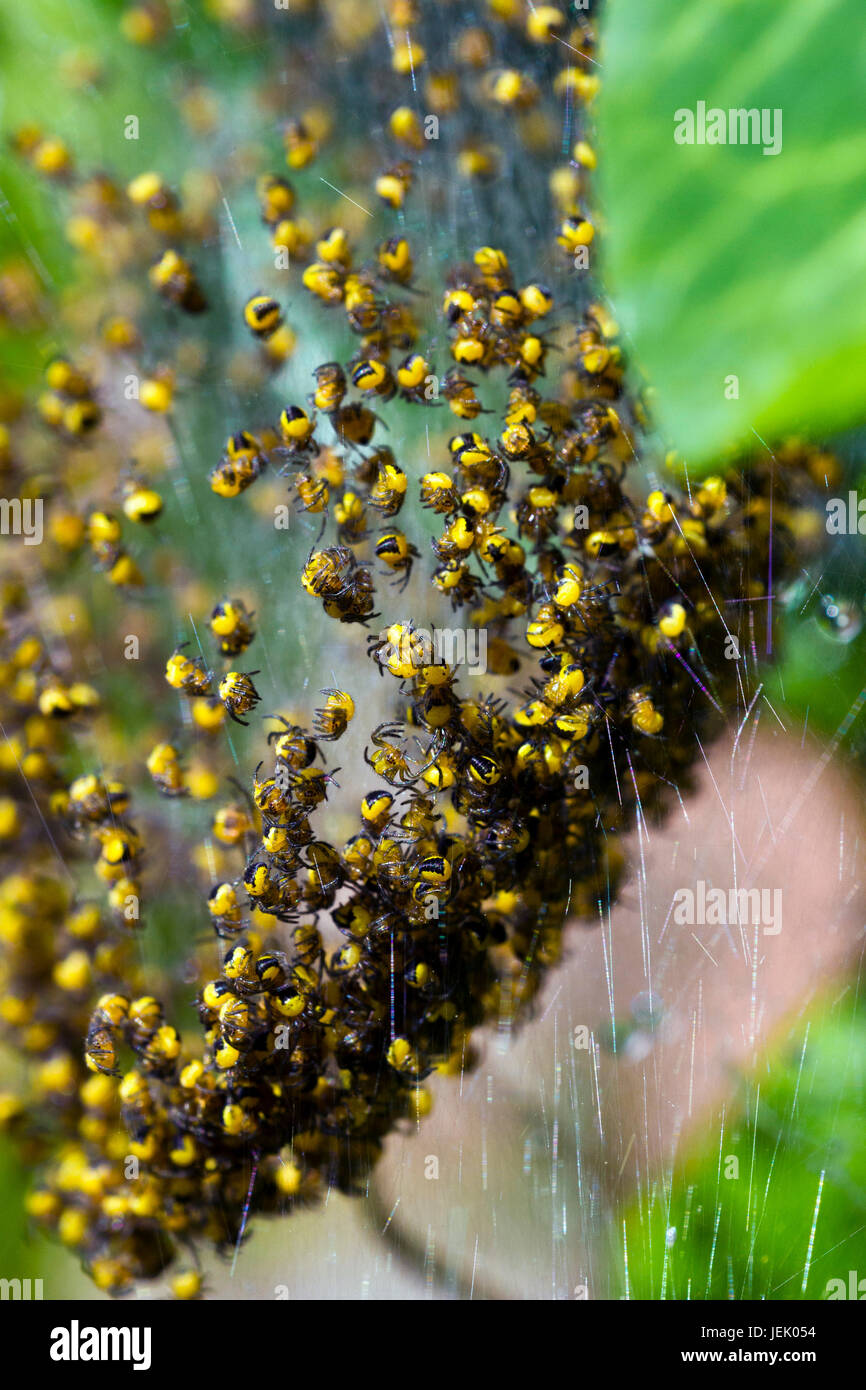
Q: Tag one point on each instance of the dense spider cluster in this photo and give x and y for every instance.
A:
(615, 617)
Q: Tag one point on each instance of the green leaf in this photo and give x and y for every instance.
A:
(722, 261)
(748, 1229)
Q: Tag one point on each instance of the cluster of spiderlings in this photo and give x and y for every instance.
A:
(452, 896)
(57, 949)
(348, 973)
(69, 407)
(188, 675)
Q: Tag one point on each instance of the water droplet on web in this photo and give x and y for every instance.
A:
(840, 618)
(647, 1009)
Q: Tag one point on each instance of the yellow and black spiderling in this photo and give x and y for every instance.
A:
(232, 624)
(262, 315)
(395, 551)
(238, 693)
(174, 278)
